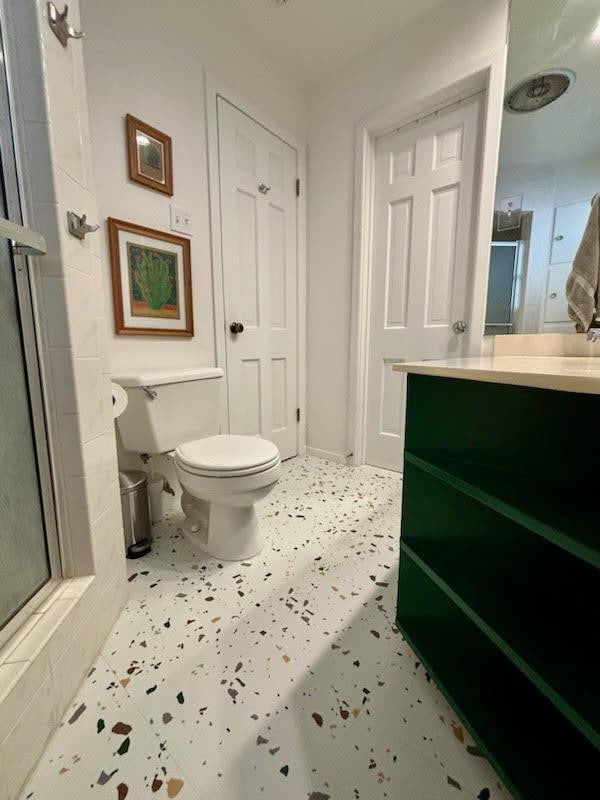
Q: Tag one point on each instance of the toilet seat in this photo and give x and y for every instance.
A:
(227, 456)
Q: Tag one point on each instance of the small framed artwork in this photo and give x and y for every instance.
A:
(151, 281)
(150, 156)
(509, 214)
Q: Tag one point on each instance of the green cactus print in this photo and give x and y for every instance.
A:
(153, 281)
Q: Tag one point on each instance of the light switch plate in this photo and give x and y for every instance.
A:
(181, 220)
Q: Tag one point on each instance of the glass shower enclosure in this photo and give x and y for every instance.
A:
(29, 554)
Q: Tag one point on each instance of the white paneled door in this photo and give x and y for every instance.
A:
(424, 186)
(259, 231)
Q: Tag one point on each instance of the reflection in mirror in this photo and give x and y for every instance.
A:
(548, 172)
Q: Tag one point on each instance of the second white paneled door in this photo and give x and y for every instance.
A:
(424, 183)
(259, 249)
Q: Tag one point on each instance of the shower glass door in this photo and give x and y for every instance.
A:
(29, 562)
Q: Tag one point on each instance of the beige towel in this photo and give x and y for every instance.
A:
(583, 282)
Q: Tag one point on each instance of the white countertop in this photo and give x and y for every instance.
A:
(564, 373)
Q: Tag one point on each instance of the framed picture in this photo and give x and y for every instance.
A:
(150, 156)
(151, 280)
(509, 214)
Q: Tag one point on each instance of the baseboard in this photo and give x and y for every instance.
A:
(338, 458)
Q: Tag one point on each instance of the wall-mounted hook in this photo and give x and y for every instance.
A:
(59, 25)
(78, 226)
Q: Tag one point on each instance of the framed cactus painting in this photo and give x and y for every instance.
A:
(151, 279)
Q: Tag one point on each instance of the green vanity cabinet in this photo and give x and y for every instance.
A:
(499, 572)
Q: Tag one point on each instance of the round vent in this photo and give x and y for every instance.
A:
(539, 90)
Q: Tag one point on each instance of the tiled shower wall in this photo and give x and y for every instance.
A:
(42, 666)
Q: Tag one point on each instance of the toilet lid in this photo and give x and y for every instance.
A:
(227, 455)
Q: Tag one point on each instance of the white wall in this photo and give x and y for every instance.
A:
(147, 59)
(425, 56)
(42, 665)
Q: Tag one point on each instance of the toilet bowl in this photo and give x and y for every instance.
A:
(222, 478)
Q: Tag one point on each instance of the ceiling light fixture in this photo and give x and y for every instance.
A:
(539, 90)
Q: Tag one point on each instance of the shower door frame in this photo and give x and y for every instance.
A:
(24, 279)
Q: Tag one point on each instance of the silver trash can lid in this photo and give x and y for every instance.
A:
(131, 480)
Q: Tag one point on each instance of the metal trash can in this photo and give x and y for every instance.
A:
(136, 512)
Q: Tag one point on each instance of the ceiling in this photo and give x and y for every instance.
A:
(310, 38)
(561, 34)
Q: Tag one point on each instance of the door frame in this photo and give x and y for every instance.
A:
(484, 75)
(214, 88)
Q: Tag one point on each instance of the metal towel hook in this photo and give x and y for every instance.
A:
(78, 226)
(59, 25)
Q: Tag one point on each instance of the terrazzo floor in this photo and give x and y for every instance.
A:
(281, 678)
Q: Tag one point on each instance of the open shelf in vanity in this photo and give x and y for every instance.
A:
(498, 589)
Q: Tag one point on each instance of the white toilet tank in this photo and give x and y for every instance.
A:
(168, 407)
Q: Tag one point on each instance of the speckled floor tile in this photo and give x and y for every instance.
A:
(105, 748)
(282, 677)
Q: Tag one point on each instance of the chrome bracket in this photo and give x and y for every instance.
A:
(25, 242)
(59, 25)
(78, 226)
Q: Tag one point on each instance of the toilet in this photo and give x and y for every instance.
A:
(222, 476)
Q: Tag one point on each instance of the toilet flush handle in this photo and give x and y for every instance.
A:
(236, 327)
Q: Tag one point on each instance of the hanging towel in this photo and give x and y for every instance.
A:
(583, 283)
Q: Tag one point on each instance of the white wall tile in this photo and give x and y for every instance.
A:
(82, 322)
(102, 339)
(57, 325)
(32, 98)
(59, 644)
(100, 473)
(79, 525)
(71, 668)
(108, 544)
(62, 615)
(64, 117)
(63, 379)
(28, 676)
(27, 739)
(39, 159)
(44, 219)
(25, 631)
(71, 446)
(19, 681)
(91, 402)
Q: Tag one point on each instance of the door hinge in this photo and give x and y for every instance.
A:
(297, 187)
(297, 415)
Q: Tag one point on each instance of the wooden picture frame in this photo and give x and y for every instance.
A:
(151, 281)
(149, 155)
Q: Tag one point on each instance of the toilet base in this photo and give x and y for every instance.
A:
(224, 531)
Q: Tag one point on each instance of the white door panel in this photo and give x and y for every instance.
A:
(570, 220)
(259, 230)
(556, 306)
(422, 224)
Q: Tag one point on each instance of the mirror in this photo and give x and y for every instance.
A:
(549, 163)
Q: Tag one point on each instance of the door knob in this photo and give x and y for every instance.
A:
(236, 327)
(460, 326)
